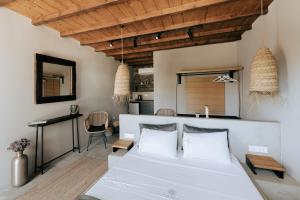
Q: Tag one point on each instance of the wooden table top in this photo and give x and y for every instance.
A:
(264, 162)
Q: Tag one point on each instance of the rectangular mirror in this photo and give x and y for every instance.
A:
(55, 79)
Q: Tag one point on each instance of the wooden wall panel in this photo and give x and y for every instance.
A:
(201, 91)
(51, 87)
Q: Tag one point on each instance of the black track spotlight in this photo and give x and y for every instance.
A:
(190, 33)
(157, 37)
(135, 42)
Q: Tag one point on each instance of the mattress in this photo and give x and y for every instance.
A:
(143, 177)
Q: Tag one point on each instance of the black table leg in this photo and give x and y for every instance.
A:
(40, 147)
(36, 148)
(130, 146)
(252, 168)
(73, 134)
(78, 142)
(42, 156)
(279, 174)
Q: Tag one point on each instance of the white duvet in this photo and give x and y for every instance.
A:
(142, 177)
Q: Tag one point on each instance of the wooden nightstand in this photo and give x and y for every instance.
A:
(264, 162)
(122, 144)
(115, 157)
(120, 148)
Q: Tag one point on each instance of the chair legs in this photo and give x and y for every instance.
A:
(91, 139)
(104, 140)
(89, 142)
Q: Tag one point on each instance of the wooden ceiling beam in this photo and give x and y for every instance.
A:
(146, 16)
(3, 2)
(176, 42)
(72, 11)
(188, 24)
(135, 65)
(134, 55)
(139, 60)
(176, 45)
(141, 66)
(141, 63)
(177, 37)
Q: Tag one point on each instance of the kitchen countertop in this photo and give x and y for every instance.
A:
(137, 101)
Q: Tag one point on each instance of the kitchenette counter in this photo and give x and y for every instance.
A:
(137, 101)
(145, 107)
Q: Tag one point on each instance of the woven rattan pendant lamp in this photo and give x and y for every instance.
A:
(263, 74)
(122, 80)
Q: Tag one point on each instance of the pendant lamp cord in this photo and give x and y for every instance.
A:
(122, 43)
(262, 7)
(263, 21)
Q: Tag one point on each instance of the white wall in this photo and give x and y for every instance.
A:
(168, 62)
(19, 41)
(282, 35)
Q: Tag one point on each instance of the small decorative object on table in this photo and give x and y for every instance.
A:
(74, 109)
(264, 162)
(116, 126)
(109, 131)
(19, 164)
(206, 111)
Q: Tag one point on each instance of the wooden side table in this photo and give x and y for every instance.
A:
(115, 157)
(122, 144)
(264, 162)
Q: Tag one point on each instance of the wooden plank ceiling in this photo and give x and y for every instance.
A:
(148, 25)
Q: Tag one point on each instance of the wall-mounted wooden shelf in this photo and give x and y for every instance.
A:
(264, 162)
(209, 70)
(122, 144)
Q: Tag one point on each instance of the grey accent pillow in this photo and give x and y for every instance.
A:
(194, 129)
(159, 127)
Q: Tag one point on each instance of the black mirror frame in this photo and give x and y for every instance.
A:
(40, 59)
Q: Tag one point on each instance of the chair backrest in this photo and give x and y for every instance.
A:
(165, 112)
(99, 118)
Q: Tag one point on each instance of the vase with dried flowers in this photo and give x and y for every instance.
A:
(19, 164)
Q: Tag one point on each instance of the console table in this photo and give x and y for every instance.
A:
(50, 122)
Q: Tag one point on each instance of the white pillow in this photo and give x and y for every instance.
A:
(158, 143)
(206, 146)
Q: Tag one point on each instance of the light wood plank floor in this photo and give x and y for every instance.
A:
(66, 178)
(68, 182)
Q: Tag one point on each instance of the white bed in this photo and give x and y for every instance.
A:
(142, 177)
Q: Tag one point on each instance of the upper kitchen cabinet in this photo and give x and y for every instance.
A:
(142, 80)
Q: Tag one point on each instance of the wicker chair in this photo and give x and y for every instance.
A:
(96, 125)
(165, 112)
